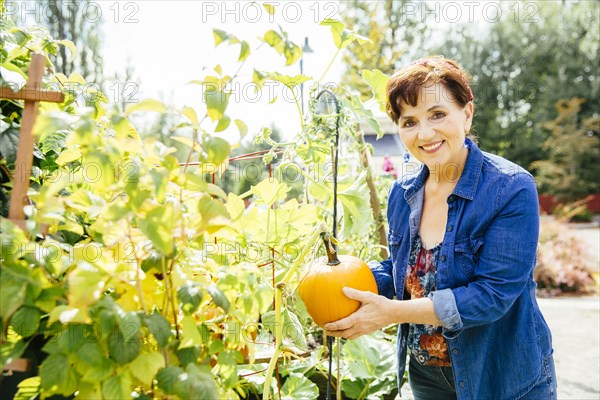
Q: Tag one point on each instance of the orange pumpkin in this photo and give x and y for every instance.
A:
(321, 285)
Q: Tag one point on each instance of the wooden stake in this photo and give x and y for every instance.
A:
(32, 94)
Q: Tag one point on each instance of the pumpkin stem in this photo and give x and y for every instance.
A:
(332, 258)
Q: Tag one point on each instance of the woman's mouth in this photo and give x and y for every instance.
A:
(432, 148)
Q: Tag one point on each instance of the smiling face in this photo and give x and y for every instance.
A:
(434, 129)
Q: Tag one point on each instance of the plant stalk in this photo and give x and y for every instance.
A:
(278, 310)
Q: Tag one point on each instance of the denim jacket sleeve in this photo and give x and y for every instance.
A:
(383, 277)
(506, 263)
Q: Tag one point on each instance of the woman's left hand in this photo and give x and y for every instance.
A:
(373, 315)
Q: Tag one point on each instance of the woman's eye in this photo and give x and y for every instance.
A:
(408, 124)
(439, 115)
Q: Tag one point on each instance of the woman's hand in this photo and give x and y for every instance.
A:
(373, 315)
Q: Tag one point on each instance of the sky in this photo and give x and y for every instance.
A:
(169, 43)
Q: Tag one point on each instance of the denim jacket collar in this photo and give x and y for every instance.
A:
(466, 185)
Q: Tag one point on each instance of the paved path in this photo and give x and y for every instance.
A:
(575, 326)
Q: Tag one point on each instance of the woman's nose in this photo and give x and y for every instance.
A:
(426, 132)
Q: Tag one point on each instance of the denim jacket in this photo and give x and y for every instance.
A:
(485, 292)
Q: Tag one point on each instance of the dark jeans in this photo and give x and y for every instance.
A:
(437, 383)
(431, 383)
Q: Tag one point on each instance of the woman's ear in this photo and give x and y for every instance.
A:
(468, 116)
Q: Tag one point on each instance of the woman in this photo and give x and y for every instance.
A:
(463, 233)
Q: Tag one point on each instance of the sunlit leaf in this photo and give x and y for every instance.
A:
(158, 227)
(244, 51)
(189, 297)
(159, 327)
(297, 386)
(57, 375)
(242, 128)
(289, 81)
(269, 191)
(223, 124)
(270, 8)
(220, 36)
(342, 37)
(217, 150)
(71, 46)
(218, 297)
(191, 115)
(117, 387)
(377, 80)
(235, 206)
(67, 156)
(146, 365)
(146, 105)
(190, 335)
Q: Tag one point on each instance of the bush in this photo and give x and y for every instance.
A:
(564, 264)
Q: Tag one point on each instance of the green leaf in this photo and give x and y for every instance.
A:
(274, 40)
(289, 81)
(146, 365)
(67, 156)
(258, 78)
(235, 206)
(93, 365)
(244, 51)
(191, 384)
(242, 128)
(377, 80)
(12, 293)
(146, 105)
(158, 226)
(292, 329)
(220, 36)
(167, 378)
(189, 296)
(269, 191)
(197, 384)
(218, 297)
(71, 46)
(342, 37)
(10, 351)
(12, 74)
(159, 327)
(26, 321)
(191, 115)
(57, 375)
(190, 335)
(28, 389)
(117, 387)
(356, 208)
(292, 53)
(124, 343)
(223, 124)
(214, 214)
(216, 101)
(270, 8)
(363, 114)
(217, 149)
(297, 386)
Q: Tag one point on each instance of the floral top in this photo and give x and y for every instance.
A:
(425, 342)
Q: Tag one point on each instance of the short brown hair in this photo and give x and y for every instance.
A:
(405, 84)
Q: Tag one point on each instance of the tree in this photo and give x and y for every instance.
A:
(392, 36)
(79, 22)
(573, 148)
(522, 67)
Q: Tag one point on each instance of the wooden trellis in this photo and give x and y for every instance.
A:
(32, 94)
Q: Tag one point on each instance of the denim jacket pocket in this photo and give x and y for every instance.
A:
(467, 253)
